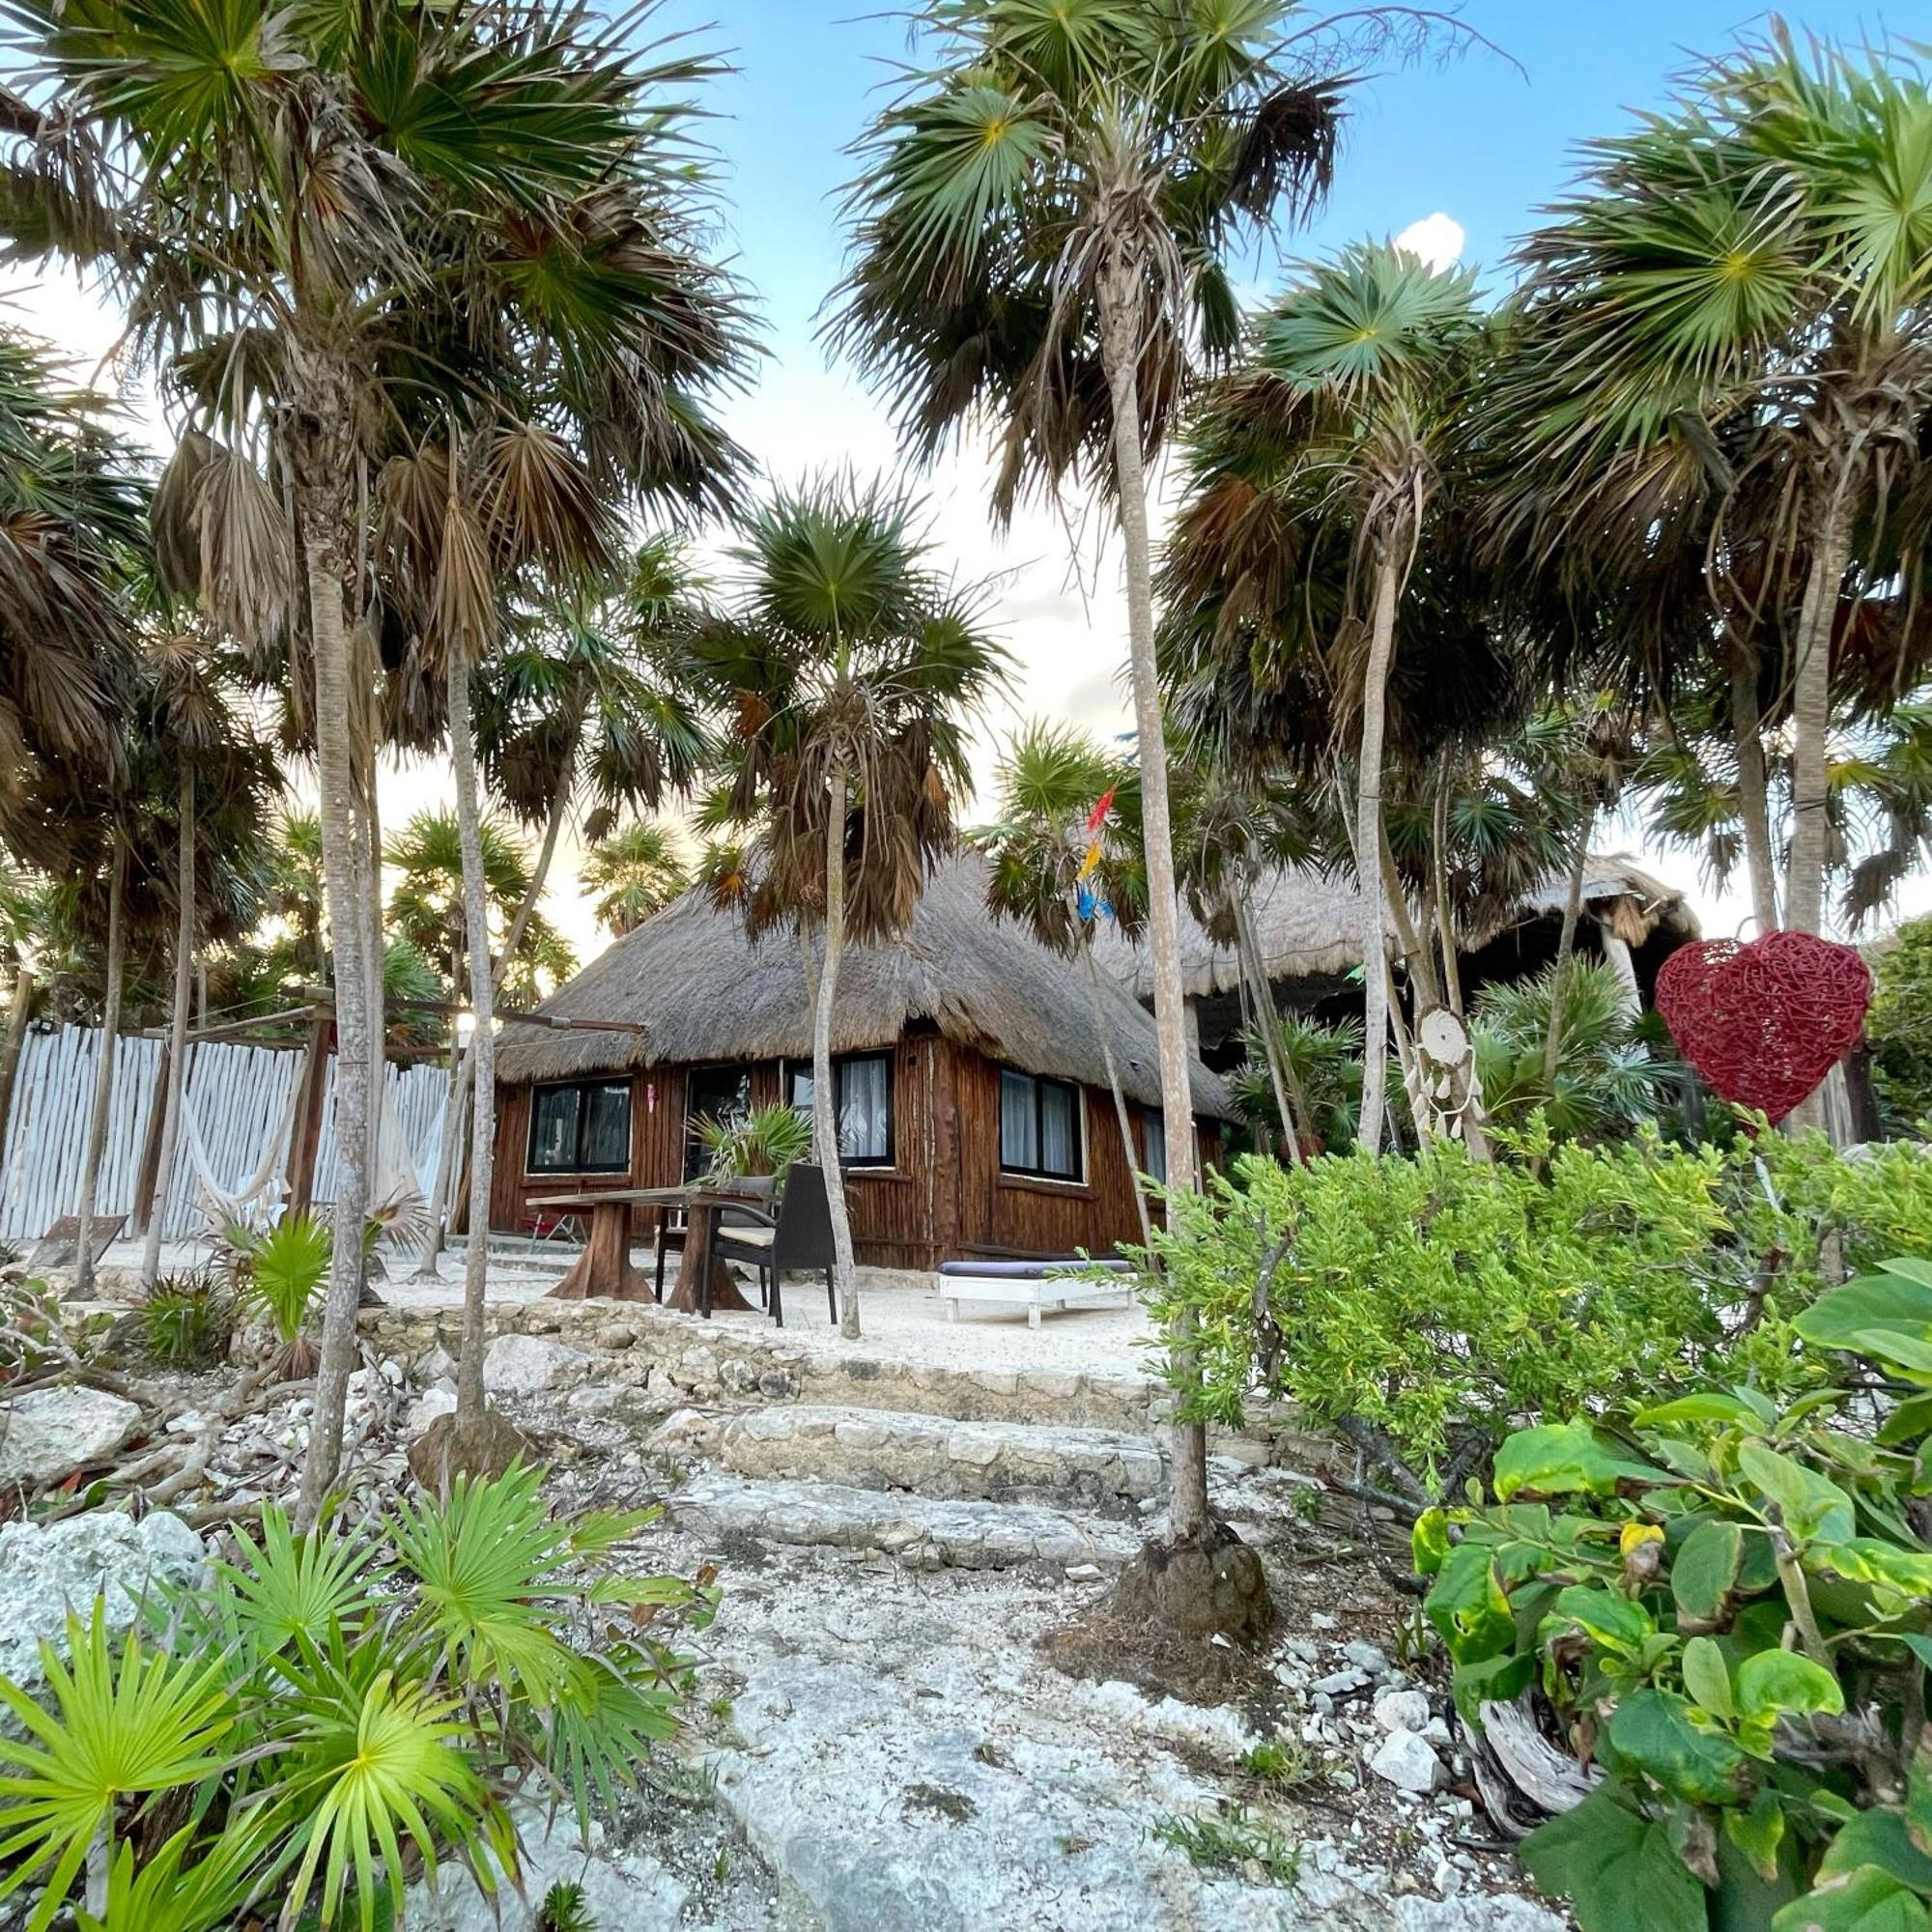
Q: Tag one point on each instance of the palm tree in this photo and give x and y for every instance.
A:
(1058, 864)
(1733, 306)
(1360, 370)
(513, 174)
(849, 670)
(634, 871)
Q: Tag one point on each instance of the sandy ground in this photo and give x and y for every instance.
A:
(902, 1316)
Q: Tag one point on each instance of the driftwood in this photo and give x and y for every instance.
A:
(1522, 1777)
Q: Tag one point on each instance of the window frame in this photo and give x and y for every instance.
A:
(1041, 1083)
(793, 1069)
(691, 1167)
(582, 1090)
(1153, 1138)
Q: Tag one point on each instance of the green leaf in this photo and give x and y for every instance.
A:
(1429, 1542)
(1712, 1405)
(1708, 1678)
(1919, 1798)
(1811, 1507)
(1870, 1559)
(1896, 1345)
(1908, 1422)
(1780, 1684)
(1494, 1679)
(1565, 1458)
(1878, 1837)
(1864, 1901)
(1758, 1833)
(1704, 1575)
(1652, 1731)
(1469, 1608)
(1618, 1872)
(1894, 1299)
(1615, 1623)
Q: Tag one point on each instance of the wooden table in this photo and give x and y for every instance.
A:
(603, 1269)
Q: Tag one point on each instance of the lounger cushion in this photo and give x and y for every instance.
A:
(1027, 1270)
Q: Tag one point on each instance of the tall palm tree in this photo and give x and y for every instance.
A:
(634, 872)
(1058, 864)
(1361, 370)
(288, 203)
(1735, 304)
(849, 670)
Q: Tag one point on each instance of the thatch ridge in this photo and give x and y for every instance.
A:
(703, 992)
(1308, 925)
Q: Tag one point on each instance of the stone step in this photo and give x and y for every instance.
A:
(919, 1530)
(933, 1455)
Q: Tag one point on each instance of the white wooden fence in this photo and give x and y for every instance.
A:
(240, 1096)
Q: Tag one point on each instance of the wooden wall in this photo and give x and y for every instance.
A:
(944, 1198)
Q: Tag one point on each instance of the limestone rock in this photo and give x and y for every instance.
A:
(50, 1432)
(1482, 1913)
(1405, 1761)
(529, 1364)
(1402, 1709)
(427, 1407)
(48, 1568)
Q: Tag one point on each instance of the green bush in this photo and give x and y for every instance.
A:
(1728, 1607)
(1899, 1025)
(767, 1140)
(1432, 1302)
(338, 1711)
(186, 1320)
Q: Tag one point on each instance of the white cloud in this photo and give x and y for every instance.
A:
(1436, 238)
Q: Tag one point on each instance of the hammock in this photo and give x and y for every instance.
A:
(228, 1204)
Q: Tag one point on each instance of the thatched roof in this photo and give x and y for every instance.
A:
(703, 992)
(1309, 925)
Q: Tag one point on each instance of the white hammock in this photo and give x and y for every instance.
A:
(227, 1203)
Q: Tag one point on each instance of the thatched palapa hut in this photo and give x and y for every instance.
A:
(1309, 927)
(974, 1110)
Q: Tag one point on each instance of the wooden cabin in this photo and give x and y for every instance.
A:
(976, 1118)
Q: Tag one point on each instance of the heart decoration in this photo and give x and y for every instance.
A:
(1764, 1020)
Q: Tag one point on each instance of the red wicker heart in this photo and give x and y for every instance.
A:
(1764, 1021)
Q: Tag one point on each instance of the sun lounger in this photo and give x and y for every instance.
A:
(1035, 1285)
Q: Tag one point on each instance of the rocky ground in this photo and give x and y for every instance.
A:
(914, 1713)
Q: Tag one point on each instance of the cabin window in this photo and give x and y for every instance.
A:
(1040, 1126)
(1153, 1144)
(583, 1127)
(865, 1084)
(712, 1093)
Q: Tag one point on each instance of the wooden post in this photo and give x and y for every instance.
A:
(148, 1177)
(305, 1135)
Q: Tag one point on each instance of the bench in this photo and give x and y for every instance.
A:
(1035, 1285)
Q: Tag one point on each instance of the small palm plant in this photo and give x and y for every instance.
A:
(337, 1711)
(767, 1140)
(280, 1272)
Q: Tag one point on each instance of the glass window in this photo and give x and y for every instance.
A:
(712, 1093)
(1153, 1144)
(1040, 1126)
(583, 1127)
(864, 1086)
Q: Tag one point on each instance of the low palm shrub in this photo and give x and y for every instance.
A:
(1727, 1607)
(186, 1320)
(280, 1274)
(1427, 1305)
(767, 1140)
(339, 1712)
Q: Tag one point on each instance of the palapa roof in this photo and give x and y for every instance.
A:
(703, 992)
(1309, 925)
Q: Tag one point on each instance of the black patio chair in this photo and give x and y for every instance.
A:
(668, 1237)
(798, 1236)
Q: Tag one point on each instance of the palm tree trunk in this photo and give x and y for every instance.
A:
(1566, 945)
(343, 824)
(1368, 851)
(1753, 789)
(19, 1012)
(560, 811)
(1812, 714)
(1288, 1099)
(1425, 983)
(157, 1210)
(469, 1401)
(1445, 910)
(824, 1091)
(1188, 1519)
(1106, 1038)
(374, 957)
(103, 1073)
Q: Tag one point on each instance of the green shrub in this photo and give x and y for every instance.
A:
(338, 1709)
(1426, 1303)
(767, 1140)
(1728, 1607)
(1899, 1025)
(186, 1320)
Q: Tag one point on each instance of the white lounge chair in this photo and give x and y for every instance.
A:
(1035, 1285)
